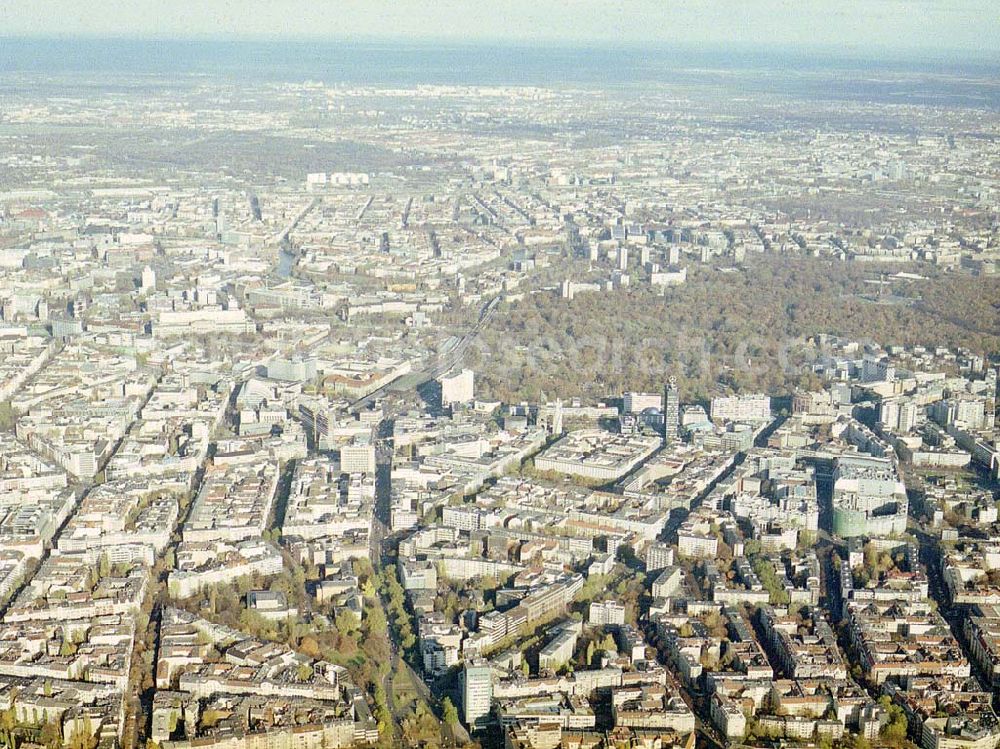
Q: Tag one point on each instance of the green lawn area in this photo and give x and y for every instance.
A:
(404, 690)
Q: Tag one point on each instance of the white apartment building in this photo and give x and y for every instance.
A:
(696, 544)
(606, 613)
(756, 407)
(458, 388)
(658, 556)
(634, 403)
(357, 459)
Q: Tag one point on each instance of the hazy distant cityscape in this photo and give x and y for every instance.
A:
(521, 398)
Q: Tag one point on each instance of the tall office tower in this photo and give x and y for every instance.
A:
(557, 418)
(220, 218)
(908, 413)
(148, 279)
(992, 380)
(623, 258)
(477, 692)
(992, 393)
(671, 411)
(888, 413)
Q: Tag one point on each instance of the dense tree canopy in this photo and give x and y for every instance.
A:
(744, 328)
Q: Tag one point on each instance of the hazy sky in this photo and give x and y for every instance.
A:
(856, 25)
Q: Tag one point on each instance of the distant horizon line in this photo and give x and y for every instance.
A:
(858, 53)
